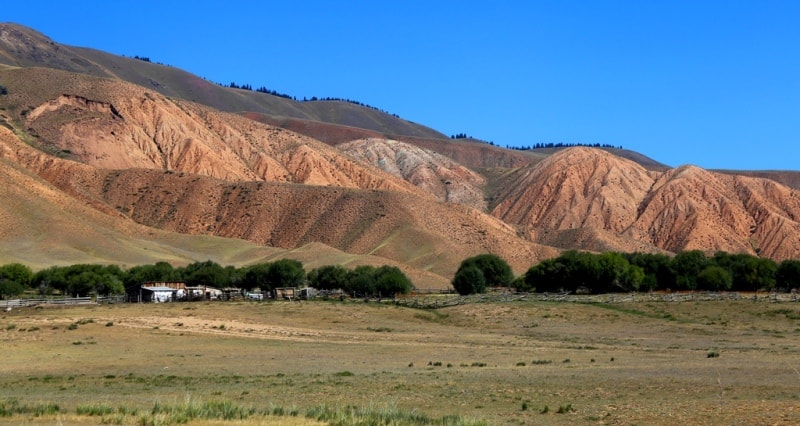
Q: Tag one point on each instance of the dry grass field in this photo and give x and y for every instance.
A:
(524, 362)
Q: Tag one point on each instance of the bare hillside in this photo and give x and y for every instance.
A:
(183, 168)
(24, 47)
(680, 209)
(116, 125)
(435, 174)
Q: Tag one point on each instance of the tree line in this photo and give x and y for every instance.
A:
(87, 279)
(612, 272)
(263, 89)
(542, 145)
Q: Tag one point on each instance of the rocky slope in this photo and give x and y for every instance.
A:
(115, 125)
(184, 168)
(435, 174)
(680, 209)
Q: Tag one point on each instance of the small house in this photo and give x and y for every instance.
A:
(283, 293)
(157, 294)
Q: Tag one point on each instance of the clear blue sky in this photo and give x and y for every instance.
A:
(710, 83)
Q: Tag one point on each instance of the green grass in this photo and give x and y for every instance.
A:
(12, 406)
(226, 410)
(391, 415)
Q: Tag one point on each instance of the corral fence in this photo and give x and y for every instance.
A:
(19, 303)
(430, 301)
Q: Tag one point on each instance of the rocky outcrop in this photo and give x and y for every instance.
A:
(576, 188)
(435, 174)
(131, 128)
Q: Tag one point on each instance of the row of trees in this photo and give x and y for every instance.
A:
(263, 89)
(541, 145)
(85, 279)
(609, 272)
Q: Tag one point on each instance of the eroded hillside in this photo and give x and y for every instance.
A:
(144, 159)
(680, 209)
(183, 168)
(434, 173)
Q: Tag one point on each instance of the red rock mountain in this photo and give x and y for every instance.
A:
(680, 209)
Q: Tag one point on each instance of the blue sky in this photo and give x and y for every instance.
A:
(710, 83)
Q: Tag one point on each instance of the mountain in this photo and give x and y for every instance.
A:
(680, 209)
(118, 160)
(185, 168)
(23, 47)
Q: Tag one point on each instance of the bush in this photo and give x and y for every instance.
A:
(714, 278)
(495, 270)
(469, 280)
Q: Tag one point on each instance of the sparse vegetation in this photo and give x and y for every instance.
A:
(319, 349)
(564, 409)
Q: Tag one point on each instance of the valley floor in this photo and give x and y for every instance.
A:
(522, 362)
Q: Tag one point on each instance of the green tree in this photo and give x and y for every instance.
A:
(160, 271)
(714, 278)
(50, 280)
(496, 271)
(614, 274)
(10, 288)
(469, 280)
(687, 265)
(286, 273)
(361, 281)
(16, 272)
(656, 268)
(760, 273)
(633, 278)
(548, 276)
(205, 273)
(787, 276)
(330, 277)
(736, 265)
(257, 276)
(521, 285)
(390, 280)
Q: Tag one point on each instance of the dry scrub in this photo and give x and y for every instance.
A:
(502, 363)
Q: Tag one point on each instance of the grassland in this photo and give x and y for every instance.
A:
(732, 362)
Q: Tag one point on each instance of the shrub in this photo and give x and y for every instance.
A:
(93, 410)
(495, 272)
(469, 280)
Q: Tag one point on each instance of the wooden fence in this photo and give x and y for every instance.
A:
(18, 303)
(442, 301)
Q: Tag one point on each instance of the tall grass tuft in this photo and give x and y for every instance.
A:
(93, 410)
(211, 410)
(12, 407)
(366, 416)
